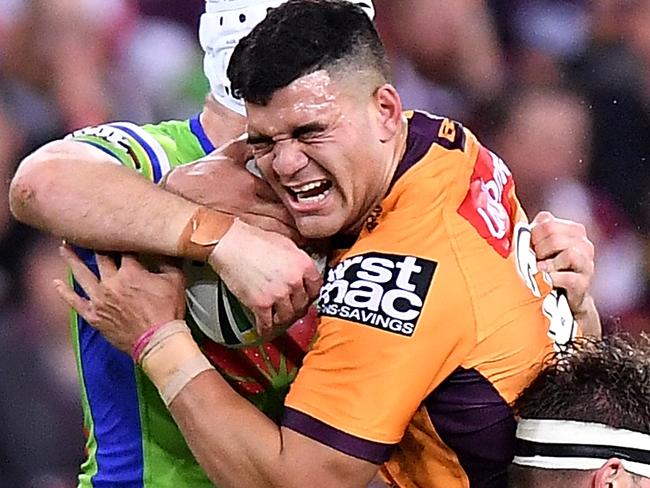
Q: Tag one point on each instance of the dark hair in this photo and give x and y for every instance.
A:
(300, 37)
(605, 381)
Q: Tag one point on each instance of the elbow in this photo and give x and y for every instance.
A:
(28, 187)
(22, 190)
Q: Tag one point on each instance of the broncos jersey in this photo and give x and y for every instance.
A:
(132, 441)
(431, 322)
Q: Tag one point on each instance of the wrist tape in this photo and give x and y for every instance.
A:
(172, 359)
(202, 233)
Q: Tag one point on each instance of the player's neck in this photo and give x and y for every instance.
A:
(220, 123)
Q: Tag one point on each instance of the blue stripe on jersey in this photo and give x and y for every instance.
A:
(101, 148)
(155, 162)
(111, 389)
(199, 133)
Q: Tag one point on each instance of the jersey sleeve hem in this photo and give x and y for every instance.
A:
(371, 451)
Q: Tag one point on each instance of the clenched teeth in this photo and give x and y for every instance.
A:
(318, 198)
(314, 191)
(308, 186)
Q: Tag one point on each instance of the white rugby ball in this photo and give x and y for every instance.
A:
(215, 310)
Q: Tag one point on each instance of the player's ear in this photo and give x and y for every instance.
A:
(611, 475)
(389, 111)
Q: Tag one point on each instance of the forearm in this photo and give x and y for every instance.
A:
(235, 443)
(73, 190)
(588, 318)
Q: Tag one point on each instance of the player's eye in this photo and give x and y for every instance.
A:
(262, 148)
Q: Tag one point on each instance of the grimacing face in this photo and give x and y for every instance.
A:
(319, 147)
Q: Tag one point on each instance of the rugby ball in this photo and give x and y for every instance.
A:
(217, 313)
(215, 310)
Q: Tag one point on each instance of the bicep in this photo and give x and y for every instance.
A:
(326, 466)
(61, 151)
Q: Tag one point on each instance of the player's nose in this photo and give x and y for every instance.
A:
(289, 158)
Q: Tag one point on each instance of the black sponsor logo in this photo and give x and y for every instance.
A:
(385, 291)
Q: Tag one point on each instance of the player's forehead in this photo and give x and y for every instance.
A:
(312, 99)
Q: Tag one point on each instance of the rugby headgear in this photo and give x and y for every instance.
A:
(571, 445)
(221, 27)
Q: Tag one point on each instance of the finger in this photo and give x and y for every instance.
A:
(283, 312)
(541, 217)
(575, 284)
(547, 247)
(312, 283)
(173, 272)
(547, 233)
(86, 279)
(106, 265)
(300, 302)
(568, 260)
(131, 263)
(80, 304)
(263, 320)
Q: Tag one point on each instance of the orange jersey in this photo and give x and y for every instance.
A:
(432, 322)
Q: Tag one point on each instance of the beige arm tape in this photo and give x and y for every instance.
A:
(202, 233)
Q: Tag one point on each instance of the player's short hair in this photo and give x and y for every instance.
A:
(589, 404)
(604, 381)
(301, 37)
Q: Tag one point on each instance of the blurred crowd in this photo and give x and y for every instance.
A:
(560, 89)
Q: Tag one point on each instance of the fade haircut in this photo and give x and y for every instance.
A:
(303, 36)
(604, 381)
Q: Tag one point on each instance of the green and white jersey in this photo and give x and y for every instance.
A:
(132, 441)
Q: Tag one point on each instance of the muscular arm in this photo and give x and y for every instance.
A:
(76, 191)
(234, 442)
(238, 446)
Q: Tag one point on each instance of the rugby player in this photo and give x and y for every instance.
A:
(98, 189)
(434, 315)
(585, 420)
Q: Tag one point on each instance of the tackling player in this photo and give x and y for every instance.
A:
(90, 189)
(434, 314)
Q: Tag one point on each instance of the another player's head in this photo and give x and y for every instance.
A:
(221, 27)
(324, 121)
(585, 420)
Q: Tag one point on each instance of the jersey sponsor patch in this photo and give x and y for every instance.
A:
(488, 206)
(384, 291)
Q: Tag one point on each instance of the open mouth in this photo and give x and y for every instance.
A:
(311, 192)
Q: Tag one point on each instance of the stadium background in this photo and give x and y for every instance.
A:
(559, 88)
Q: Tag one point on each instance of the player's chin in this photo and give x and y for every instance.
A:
(318, 226)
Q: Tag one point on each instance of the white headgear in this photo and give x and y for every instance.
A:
(222, 25)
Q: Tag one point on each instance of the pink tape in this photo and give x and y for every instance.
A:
(144, 340)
